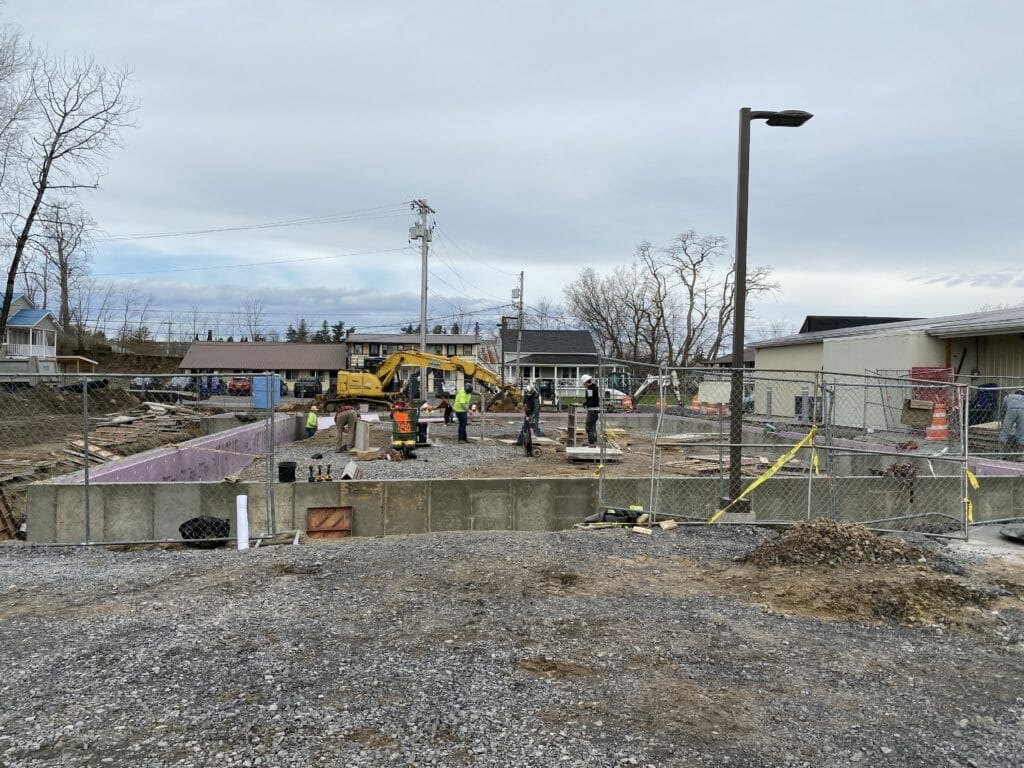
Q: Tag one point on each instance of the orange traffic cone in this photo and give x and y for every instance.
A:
(939, 430)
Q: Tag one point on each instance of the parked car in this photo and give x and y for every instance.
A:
(307, 387)
(182, 384)
(143, 383)
(239, 385)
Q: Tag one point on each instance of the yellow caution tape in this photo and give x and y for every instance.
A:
(768, 473)
(970, 510)
(972, 479)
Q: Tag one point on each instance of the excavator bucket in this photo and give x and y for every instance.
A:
(503, 401)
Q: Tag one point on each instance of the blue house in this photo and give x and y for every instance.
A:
(31, 334)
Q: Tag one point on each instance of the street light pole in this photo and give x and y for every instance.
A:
(788, 118)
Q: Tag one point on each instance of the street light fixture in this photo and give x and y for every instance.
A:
(789, 118)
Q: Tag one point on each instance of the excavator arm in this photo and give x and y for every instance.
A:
(357, 385)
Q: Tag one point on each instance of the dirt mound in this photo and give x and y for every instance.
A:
(826, 542)
(46, 399)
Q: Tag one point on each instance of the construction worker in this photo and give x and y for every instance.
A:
(311, 421)
(531, 413)
(592, 402)
(1013, 421)
(345, 420)
(461, 408)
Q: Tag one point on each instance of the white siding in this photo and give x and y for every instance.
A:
(865, 354)
(770, 367)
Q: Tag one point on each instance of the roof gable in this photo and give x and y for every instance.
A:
(33, 318)
(548, 342)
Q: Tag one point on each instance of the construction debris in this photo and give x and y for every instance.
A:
(826, 542)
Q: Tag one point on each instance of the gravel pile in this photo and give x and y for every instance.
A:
(828, 542)
(438, 460)
(599, 648)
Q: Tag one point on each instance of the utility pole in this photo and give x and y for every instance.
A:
(517, 294)
(168, 338)
(420, 231)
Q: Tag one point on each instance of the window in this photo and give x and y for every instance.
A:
(467, 349)
(451, 350)
(289, 374)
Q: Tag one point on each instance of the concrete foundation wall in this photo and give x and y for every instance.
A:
(212, 457)
(153, 511)
(146, 497)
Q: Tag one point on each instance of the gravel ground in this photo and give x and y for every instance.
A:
(439, 460)
(578, 648)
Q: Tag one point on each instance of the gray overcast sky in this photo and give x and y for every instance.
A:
(554, 136)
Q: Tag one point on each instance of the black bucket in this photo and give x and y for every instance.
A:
(286, 471)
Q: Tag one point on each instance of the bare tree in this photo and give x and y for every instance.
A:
(670, 305)
(544, 315)
(64, 238)
(15, 100)
(252, 317)
(133, 308)
(78, 110)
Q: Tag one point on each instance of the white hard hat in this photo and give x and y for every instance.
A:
(586, 378)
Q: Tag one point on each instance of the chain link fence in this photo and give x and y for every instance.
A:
(108, 445)
(883, 449)
(890, 452)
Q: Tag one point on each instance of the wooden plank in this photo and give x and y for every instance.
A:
(8, 525)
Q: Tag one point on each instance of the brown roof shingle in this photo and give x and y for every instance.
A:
(262, 356)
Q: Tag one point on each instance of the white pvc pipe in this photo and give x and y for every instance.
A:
(242, 521)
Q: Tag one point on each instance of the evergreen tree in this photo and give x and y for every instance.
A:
(455, 329)
(302, 332)
(438, 329)
(338, 332)
(323, 334)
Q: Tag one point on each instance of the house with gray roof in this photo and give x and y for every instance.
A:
(560, 355)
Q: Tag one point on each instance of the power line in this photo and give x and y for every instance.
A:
(379, 212)
(446, 236)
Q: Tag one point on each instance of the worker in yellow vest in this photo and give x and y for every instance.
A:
(311, 421)
(461, 408)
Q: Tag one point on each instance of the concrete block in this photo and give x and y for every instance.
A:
(128, 513)
(367, 501)
(450, 507)
(173, 504)
(491, 505)
(41, 511)
(406, 505)
(71, 514)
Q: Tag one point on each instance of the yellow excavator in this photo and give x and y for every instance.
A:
(382, 387)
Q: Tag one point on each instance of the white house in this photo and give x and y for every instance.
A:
(30, 339)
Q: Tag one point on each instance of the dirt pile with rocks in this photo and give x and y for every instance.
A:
(827, 542)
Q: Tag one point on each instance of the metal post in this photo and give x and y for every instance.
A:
(519, 336)
(272, 380)
(788, 118)
(424, 238)
(85, 451)
(739, 296)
